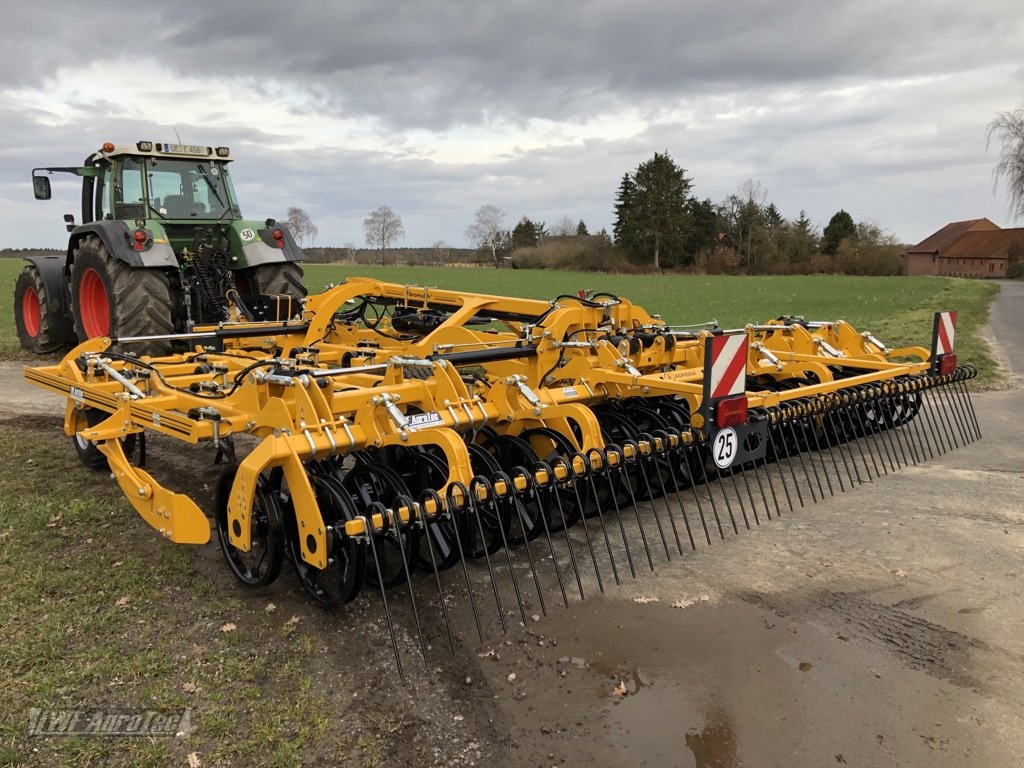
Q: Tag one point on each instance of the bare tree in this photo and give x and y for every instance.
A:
(1009, 127)
(441, 251)
(564, 227)
(488, 229)
(301, 226)
(383, 227)
(751, 195)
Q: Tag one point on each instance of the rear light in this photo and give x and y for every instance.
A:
(140, 237)
(731, 412)
(947, 364)
(279, 237)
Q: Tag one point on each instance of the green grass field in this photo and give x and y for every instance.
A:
(896, 309)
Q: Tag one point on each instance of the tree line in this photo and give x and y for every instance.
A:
(661, 224)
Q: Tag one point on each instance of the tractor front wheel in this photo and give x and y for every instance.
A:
(32, 313)
(112, 298)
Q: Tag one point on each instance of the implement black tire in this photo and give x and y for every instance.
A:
(32, 312)
(111, 298)
(283, 278)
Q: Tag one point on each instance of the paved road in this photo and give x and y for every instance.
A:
(1007, 324)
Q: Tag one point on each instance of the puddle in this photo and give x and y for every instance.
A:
(715, 745)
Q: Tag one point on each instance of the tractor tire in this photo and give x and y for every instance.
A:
(32, 312)
(111, 298)
(284, 278)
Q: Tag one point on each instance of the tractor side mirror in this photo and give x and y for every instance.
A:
(69, 222)
(41, 187)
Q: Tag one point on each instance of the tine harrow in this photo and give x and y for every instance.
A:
(502, 452)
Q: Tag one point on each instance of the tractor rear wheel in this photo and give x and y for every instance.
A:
(284, 278)
(32, 312)
(111, 298)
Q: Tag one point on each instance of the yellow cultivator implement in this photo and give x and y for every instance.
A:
(540, 447)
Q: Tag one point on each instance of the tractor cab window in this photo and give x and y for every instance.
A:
(188, 189)
(127, 192)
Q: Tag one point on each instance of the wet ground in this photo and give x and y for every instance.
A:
(881, 627)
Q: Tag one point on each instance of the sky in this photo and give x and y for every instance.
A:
(437, 107)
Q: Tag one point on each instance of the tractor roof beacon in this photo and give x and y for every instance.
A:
(161, 248)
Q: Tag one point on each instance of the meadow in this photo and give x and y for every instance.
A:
(897, 310)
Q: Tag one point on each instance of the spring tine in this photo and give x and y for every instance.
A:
(800, 456)
(962, 383)
(514, 498)
(848, 437)
(789, 462)
(778, 463)
(433, 496)
(663, 438)
(826, 432)
(910, 437)
(455, 509)
(610, 476)
(958, 412)
(921, 418)
(831, 408)
(812, 428)
(853, 437)
(949, 411)
(725, 497)
(600, 520)
(699, 459)
(937, 413)
(575, 484)
(535, 490)
(750, 495)
(474, 504)
(916, 420)
(623, 474)
(378, 508)
(739, 497)
(499, 475)
(910, 433)
(642, 461)
(396, 521)
(552, 491)
(865, 430)
(876, 428)
(760, 488)
(815, 452)
(692, 456)
(906, 432)
(890, 425)
(924, 412)
(942, 417)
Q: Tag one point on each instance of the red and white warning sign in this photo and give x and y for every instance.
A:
(728, 365)
(945, 330)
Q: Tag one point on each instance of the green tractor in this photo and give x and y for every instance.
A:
(162, 247)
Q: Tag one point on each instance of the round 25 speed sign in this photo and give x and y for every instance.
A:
(724, 448)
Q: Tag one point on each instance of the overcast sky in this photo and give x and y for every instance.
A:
(538, 107)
